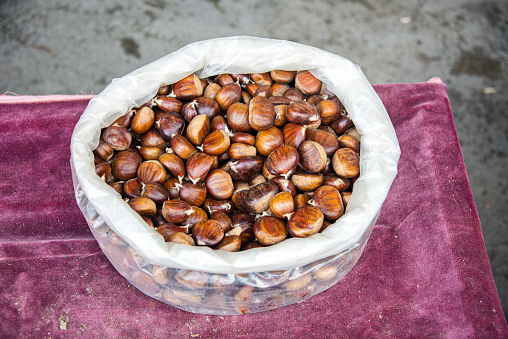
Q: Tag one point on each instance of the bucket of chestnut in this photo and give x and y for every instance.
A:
(235, 175)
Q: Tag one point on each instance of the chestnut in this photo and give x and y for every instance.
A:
(262, 79)
(198, 165)
(198, 214)
(132, 188)
(305, 221)
(329, 201)
(216, 142)
(198, 129)
(346, 163)
(343, 123)
(195, 195)
(294, 94)
(176, 211)
(174, 164)
(207, 233)
(182, 147)
(257, 199)
(152, 171)
(103, 170)
(212, 205)
(119, 138)
(269, 230)
(228, 95)
(150, 152)
(238, 117)
(143, 120)
(261, 113)
(294, 134)
(328, 141)
(152, 138)
(104, 150)
(307, 83)
(303, 113)
(282, 77)
(341, 184)
(312, 156)
(168, 229)
(284, 185)
(188, 88)
(170, 124)
(239, 150)
(246, 168)
(283, 161)
(307, 182)
(155, 192)
(219, 184)
(207, 106)
(282, 205)
(143, 206)
(181, 238)
(349, 142)
(223, 219)
(231, 243)
(168, 104)
(211, 90)
(268, 140)
(125, 165)
(244, 138)
(329, 111)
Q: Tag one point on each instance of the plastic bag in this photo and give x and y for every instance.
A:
(187, 277)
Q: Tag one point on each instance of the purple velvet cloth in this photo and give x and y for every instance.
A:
(424, 272)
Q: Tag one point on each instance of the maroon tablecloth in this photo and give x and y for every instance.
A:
(424, 272)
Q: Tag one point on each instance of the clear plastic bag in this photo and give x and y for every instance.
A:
(199, 279)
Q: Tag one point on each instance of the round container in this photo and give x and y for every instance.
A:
(199, 279)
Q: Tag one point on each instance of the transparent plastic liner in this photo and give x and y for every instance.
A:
(223, 294)
(199, 279)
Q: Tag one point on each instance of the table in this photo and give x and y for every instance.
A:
(424, 271)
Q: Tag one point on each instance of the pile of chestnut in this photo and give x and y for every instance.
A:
(235, 161)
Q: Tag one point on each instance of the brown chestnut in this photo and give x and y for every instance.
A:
(174, 164)
(261, 113)
(195, 195)
(346, 163)
(283, 161)
(216, 142)
(176, 211)
(198, 165)
(125, 165)
(282, 205)
(152, 171)
(270, 230)
(188, 88)
(257, 199)
(198, 129)
(307, 83)
(228, 95)
(143, 120)
(329, 201)
(119, 138)
(143, 206)
(268, 140)
(207, 233)
(219, 184)
(305, 221)
(312, 156)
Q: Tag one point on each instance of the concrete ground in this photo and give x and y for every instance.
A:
(73, 47)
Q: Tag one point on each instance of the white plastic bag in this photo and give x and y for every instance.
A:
(378, 163)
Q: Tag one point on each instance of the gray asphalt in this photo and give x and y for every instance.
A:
(74, 47)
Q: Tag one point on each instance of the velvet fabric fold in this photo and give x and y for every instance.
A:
(424, 271)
